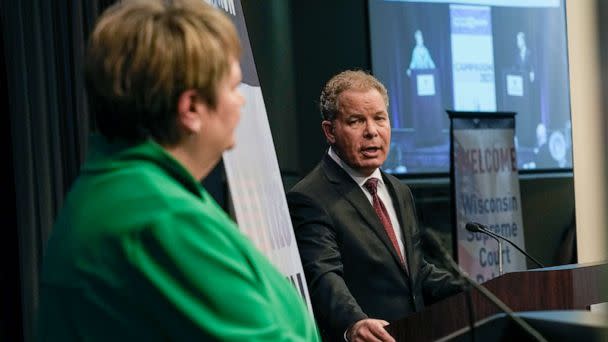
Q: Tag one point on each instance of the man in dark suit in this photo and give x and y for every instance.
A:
(359, 239)
(523, 60)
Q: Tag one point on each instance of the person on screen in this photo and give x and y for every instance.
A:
(542, 153)
(140, 251)
(523, 60)
(421, 58)
(356, 226)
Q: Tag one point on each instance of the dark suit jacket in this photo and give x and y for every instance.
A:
(526, 64)
(352, 270)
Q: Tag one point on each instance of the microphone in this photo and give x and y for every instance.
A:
(475, 227)
(434, 241)
(480, 228)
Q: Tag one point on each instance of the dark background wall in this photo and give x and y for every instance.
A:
(299, 45)
(310, 41)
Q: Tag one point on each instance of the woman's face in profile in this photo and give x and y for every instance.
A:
(227, 112)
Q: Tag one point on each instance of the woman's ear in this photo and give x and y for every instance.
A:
(189, 111)
(328, 129)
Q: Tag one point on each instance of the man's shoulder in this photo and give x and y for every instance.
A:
(314, 181)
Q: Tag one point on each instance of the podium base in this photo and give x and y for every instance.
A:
(552, 325)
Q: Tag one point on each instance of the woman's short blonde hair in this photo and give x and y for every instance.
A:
(143, 54)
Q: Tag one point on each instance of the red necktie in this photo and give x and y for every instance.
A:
(372, 186)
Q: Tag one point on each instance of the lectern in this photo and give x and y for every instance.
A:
(426, 107)
(561, 325)
(568, 287)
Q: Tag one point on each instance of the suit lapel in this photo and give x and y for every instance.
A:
(351, 191)
(405, 221)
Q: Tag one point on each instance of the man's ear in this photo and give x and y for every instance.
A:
(189, 110)
(328, 130)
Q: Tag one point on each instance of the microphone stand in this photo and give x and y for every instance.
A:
(489, 295)
(435, 243)
(502, 306)
(499, 241)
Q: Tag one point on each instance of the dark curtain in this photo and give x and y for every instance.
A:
(48, 124)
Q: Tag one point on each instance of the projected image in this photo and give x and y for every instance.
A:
(421, 58)
(476, 55)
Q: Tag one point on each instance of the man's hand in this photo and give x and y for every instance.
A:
(369, 330)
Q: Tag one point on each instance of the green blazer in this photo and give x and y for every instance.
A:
(140, 251)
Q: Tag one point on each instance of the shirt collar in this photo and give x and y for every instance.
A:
(354, 174)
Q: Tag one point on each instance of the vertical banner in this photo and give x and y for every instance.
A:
(485, 185)
(472, 58)
(252, 170)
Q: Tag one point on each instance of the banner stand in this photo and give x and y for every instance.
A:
(256, 192)
(484, 184)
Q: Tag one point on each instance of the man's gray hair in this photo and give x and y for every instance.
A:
(347, 80)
